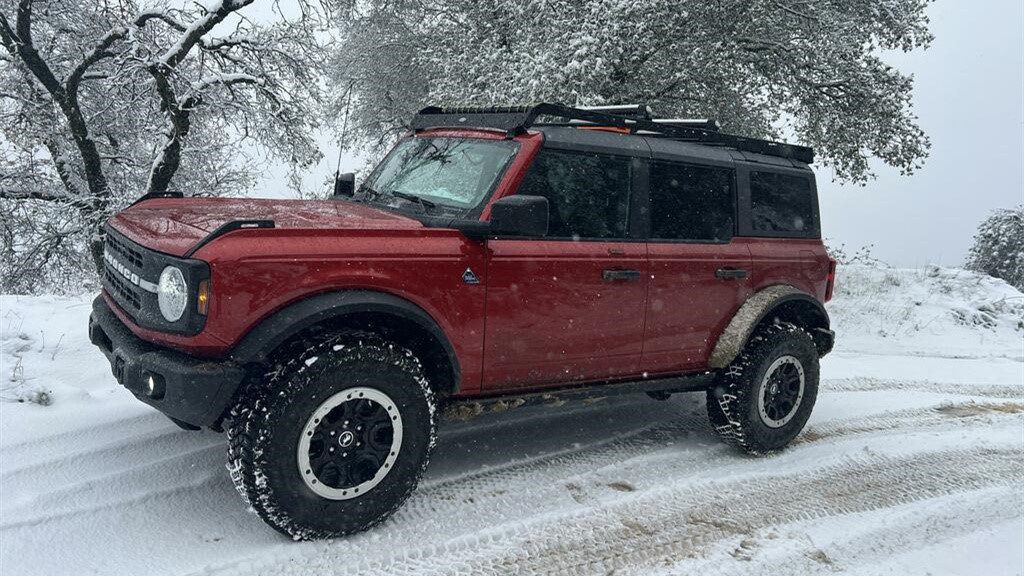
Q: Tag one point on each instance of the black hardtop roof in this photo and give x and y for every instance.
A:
(634, 120)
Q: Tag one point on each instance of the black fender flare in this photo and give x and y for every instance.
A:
(257, 345)
(758, 307)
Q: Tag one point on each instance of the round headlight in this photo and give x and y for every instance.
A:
(172, 293)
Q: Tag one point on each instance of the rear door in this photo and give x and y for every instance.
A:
(700, 276)
(782, 225)
(570, 306)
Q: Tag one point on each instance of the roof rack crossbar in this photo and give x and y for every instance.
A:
(632, 111)
(706, 123)
(517, 119)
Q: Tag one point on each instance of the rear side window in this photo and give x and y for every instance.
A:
(691, 202)
(588, 194)
(782, 203)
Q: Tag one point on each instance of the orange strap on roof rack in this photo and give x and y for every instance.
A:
(607, 129)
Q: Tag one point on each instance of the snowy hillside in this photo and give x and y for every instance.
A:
(911, 464)
(922, 311)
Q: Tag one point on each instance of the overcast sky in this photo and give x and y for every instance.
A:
(969, 96)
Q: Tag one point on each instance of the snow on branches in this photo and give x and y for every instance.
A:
(999, 246)
(102, 101)
(809, 68)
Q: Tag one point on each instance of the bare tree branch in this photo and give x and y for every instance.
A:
(98, 53)
(100, 103)
(7, 194)
(67, 100)
(199, 28)
(162, 16)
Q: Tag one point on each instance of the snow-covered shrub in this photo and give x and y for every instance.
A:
(862, 255)
(999, 246)
(16, 387)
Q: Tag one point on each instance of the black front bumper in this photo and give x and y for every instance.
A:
(191, 391)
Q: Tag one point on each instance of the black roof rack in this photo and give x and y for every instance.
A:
(705, 123)
(631, 111)
(515, 120)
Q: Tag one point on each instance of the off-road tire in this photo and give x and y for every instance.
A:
(266, 424)
(733, 402)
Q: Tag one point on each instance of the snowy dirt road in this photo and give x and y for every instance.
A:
(911, 464)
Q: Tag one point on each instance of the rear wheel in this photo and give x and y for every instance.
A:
(335, 439)
(763, 399)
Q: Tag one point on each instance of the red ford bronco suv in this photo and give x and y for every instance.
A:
(496, 257)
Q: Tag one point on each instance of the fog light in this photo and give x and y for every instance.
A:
(153, 384)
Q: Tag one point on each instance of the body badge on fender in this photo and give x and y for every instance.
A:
(469, 277)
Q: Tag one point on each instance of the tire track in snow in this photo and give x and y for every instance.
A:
(855, 541)
(643, 531)
(103, 472)
(548, 476)
(80, 472)
(941, 417)
(101, 478)
(863, 384)
(927, 354)
(472, 500)
(177, 491)
(163, 446)
(544, 486)
(126, 485)
(103, 433)
(145, 447)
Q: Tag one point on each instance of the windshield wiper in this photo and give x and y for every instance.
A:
(413, 198)
(365, 194)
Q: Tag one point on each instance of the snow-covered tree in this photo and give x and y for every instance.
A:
(810, 68)
(999, 246)
(102, 101)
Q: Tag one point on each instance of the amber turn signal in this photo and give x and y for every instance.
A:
(203, 301)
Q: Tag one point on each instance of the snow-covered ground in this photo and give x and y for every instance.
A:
(911, 464)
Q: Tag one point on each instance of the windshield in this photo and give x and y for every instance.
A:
(450, 174)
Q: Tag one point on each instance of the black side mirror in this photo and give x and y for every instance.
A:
(345, 184)
(520, 216)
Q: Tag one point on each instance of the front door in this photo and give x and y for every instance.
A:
(568, 307)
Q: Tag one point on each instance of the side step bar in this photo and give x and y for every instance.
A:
(467, 408)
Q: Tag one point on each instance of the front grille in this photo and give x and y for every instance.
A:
(123, 252)
(130, 271)
(123, 292)
(124, 265)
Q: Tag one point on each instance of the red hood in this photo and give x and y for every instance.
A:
(175, 225)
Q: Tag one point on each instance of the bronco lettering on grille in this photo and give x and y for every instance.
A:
(128, 274)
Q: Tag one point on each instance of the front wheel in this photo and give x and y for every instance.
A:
(334, 439)
(763, 399)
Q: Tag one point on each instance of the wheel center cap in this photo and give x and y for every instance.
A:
(346, 438)
(774, 389)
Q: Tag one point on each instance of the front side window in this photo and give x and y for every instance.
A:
(691, 202)
(454, 174)
(782, 203)
(588, 194)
